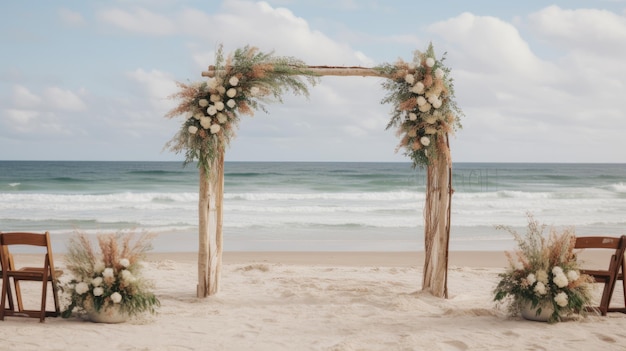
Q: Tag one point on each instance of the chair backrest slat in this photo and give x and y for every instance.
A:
(597, 242)
(33, 239)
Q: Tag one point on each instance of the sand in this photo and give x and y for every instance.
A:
(321, 301)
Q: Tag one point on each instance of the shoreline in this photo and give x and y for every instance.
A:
(474, 259)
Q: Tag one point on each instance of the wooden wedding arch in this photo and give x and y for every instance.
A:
(424, 114)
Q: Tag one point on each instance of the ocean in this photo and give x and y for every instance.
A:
(316, 206)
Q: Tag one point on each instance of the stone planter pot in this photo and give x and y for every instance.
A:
(530, 313)
(111, 314)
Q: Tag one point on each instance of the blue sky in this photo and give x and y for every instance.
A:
(89, 80)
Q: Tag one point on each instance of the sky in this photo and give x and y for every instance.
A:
(538, 81)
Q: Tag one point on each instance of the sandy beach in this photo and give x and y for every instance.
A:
(321, 301)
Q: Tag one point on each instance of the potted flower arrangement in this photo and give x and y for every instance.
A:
(108, 286)
(543, 280)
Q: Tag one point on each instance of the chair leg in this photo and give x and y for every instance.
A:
(18, 295)
(9, 296)
(44, 290)
(5, 283)
(606, 296)
(55, 295)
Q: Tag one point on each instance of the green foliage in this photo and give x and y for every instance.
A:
(424, 110)
(243, 82)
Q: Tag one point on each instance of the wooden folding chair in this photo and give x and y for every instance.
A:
(608, 277)
(9, 265)
(46, 273)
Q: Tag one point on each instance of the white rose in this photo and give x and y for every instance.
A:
(421, 101)
(431, 97)
(98, 291)
(540, 288)
(222, 118)
(116, 297)
(437, 103)
(231, 103)
(192, 129)
(425, 107)
(430, 62)
(97, 281)
(439, 73)
(556, 270)
(409, 79)
(531, 279)
(561, 299)
(231, 92)
(425, 141)
(215, 128)
(418, 88)
(572, 276)
(211, 110)
(197, 116)
(127, 276)
(412, 116)
(219, 106)
(215, 98)
(81, 288)
(203, 103)
(560, 280)
(205, 122)
(124, 262)
(233, 81)
(254, 91)
(108, 273)
(98, 267)
(221, 90)
(211, 83)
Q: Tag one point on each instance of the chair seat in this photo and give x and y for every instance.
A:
(40, 270)
(598, 275)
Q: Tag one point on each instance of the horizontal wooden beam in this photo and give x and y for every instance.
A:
(327, 71)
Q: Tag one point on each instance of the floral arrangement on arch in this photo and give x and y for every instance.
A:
(110, 278)
(425, 112)
(544, 272)
(238, 84)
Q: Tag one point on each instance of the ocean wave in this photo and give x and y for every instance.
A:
(618, 187)
(356, 196)
(98, 198)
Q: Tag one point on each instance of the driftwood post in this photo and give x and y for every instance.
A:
(210, 205)
(437, 223)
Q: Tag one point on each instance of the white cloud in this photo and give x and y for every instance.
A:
(21, 118)
(22, 97)
(539, 109)
(139, 20)
(488, 45)
(586, 29)
(58, 98)
(158, 86)
(71, 18)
